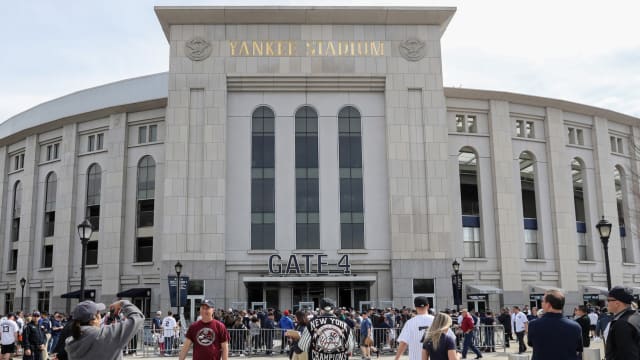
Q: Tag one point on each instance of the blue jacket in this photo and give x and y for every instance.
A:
(554, 337)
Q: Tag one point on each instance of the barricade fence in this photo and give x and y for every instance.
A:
(272, 342)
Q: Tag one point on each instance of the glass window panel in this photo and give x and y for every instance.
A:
(459, 123)
(571, 135)
(531, 243)
(580, 136)
(620, 148)
(47, 256)
(472, 124)
(92, 253)
(263, 151)
(262, 236)
(91, 144)
(146, 178)
(94, 182)
(142, 134)
(262, 195)
(144, 249)
(146, 212)
(153, 133)
(423, 286)
(17, 199)
(99, 141)
(13, 264)
(50, 196)
(613, 144)
(307, 236)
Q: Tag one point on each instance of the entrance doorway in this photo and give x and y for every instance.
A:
(477, 302)
(352, 296)
(306, 293)
(192, 307)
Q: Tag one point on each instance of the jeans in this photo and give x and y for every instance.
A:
(168, 345)
(521, 346)
(468, 344)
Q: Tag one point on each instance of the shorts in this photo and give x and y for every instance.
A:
(8, 349)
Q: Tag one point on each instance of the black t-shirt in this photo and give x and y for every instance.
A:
(446, 343)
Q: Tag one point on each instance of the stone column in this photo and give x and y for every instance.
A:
(563, 218)
(113, 202)
(506, 199)
(65, 231)
(606, 195)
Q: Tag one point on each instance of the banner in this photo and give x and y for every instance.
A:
(456, 284)
(173, 290)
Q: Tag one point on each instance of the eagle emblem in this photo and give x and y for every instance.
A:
(197, 49)
(413, 49)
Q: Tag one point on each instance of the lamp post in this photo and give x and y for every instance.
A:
(84, 231)
(604, 229)
(23, 282)
(178, 268)
(456, 282)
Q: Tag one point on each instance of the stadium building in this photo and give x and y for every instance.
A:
(293, 153)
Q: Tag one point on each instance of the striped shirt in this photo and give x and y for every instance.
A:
(413, 333)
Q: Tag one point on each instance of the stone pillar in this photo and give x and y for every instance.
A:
(562, 206)
(65, 232)
(606, 195)
(113, 202)
(507, 212)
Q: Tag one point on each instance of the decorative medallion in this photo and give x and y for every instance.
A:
(413, 49)
(197, 49)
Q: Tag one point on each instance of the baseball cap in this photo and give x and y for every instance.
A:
(622, 294)
(207, 302)
(420, 301)
(86, 310)
(158, 312)
(36, 313)
(327, 304)
(286, 312)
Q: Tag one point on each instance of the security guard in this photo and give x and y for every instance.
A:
(326, 337)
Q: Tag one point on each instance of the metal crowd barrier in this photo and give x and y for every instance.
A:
(487, 338)
(271, 342)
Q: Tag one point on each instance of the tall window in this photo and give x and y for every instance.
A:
(50, 204)
(470, 202)
(578, 202)
(350, 163)
(43, 301)
(529, 211)
(17, 207)
(8, 302)
(263, 229)
(146, 187)
(619, 180)
(94, 182)
(307, 186)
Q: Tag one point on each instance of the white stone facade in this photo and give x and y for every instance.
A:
(412, 203)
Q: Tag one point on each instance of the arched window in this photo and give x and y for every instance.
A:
(351, 192)
(307, 180)
(263, 228)
(620, 182)
(529, 208)
(94, 183)
(49, 218)
(50, 204)
(470, 202)
(579, 206)
(16, 210)
(146, 186)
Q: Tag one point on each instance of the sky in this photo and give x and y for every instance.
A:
(584, 51)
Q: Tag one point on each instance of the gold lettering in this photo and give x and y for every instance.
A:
(245, 48)
(352, 49)
(291, 47)
(331, 49)
(343, 48)
(320, 48)
(256, 48)
(377, 51)
(311, 51)
(269, 48)
(279, 48)
(232, 45)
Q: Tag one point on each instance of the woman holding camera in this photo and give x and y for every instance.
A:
(90, 341)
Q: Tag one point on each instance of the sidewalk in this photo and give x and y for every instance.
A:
(495, 355)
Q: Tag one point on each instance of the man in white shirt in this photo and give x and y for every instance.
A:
(593, 321)
(168, 325)
(414, 330)
(9, 335)
(520, 327)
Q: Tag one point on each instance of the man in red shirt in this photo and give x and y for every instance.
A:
(209, 337)
(467, 328)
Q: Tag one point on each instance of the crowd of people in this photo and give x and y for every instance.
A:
(425, 334)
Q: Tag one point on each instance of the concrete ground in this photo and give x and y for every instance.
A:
(495, 355)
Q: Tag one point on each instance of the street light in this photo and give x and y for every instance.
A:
(456, 282)
(23, 282)
(604, 228)
(178, 268)
(84, 231)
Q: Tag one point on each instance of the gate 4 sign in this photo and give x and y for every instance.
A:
(305, 264)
